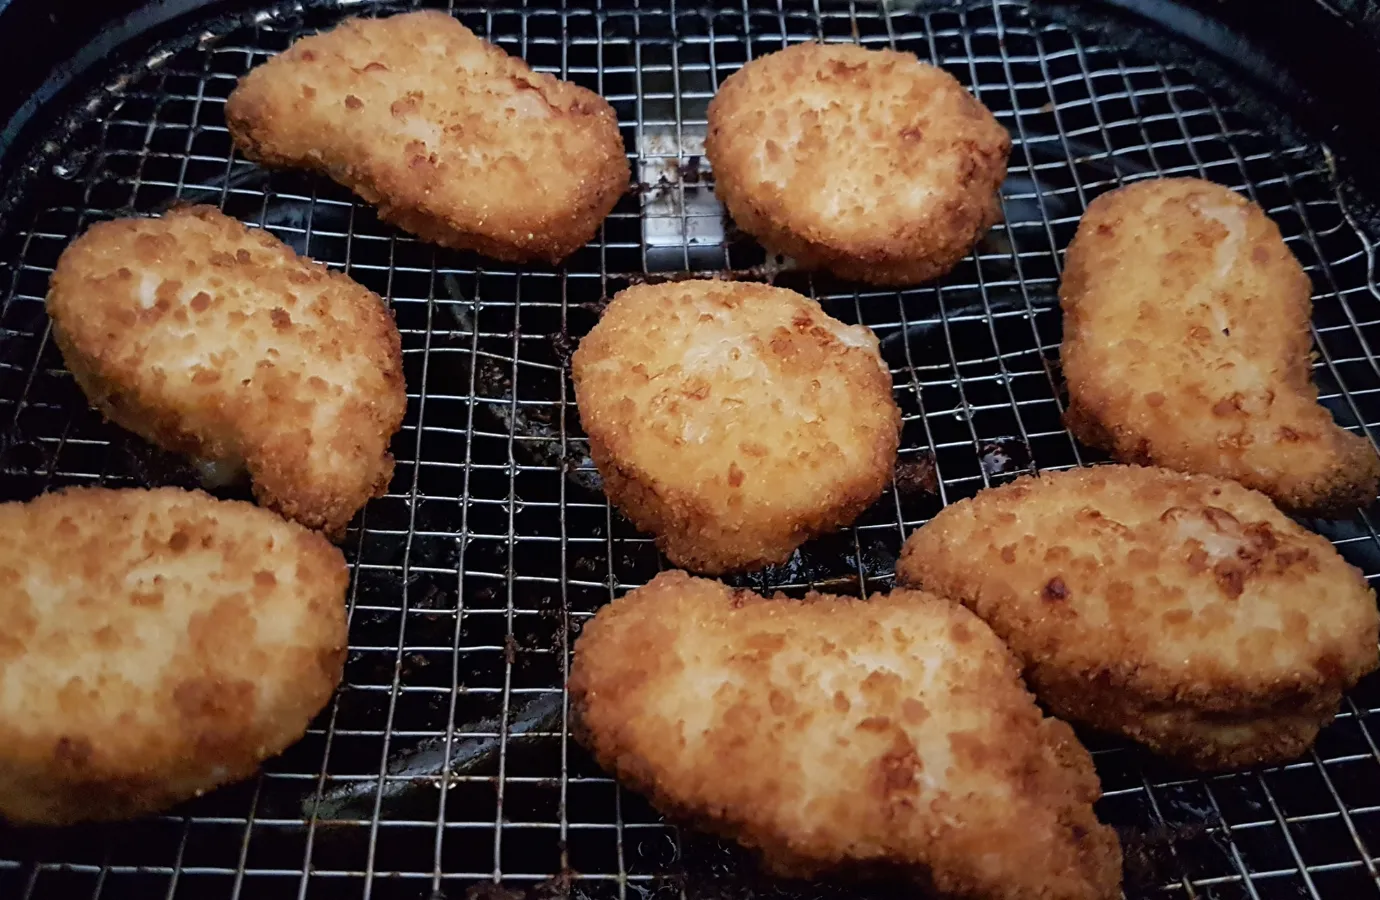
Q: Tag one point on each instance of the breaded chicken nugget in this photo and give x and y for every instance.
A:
(453, 139)
(156, 644)
(208, 338)
(1186, 345)
(734, 421)
(1183, 611)
(867, 163)
(837, 733)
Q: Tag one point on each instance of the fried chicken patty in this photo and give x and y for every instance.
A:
(867, 163)
(156, 644)
(1186, 345)
(209, 338)
(453, 139)
(734, 421)
(1184, 611)
(836, 733)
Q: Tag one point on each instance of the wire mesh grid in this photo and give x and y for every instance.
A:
(444, 764)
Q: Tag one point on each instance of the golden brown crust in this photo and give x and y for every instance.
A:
(209, 338)
(734, 420)
(453, 139)
(1184, 611)
(1186, 345)
(157, 644)
(835, 732)
(867, 163)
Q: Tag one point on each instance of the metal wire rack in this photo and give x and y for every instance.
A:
(443, 767)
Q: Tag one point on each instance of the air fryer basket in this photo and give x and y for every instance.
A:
(444, 767)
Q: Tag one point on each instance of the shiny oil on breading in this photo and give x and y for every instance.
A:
(156, 644)
(734, 421)
(836, 733)
(453, 139)
(209, 338)
(1183, 611)
(1186, 345)
(867, 163)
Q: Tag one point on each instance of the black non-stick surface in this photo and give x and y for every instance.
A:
(444, 763)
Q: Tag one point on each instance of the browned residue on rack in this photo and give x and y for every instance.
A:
(917, 475)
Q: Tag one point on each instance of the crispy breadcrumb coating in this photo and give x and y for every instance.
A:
(209, 338)
(156, 644)
(867, 163)
(836, 733)
(1184, 611)
(734, 420)
(1186, 345)
(453, 139)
